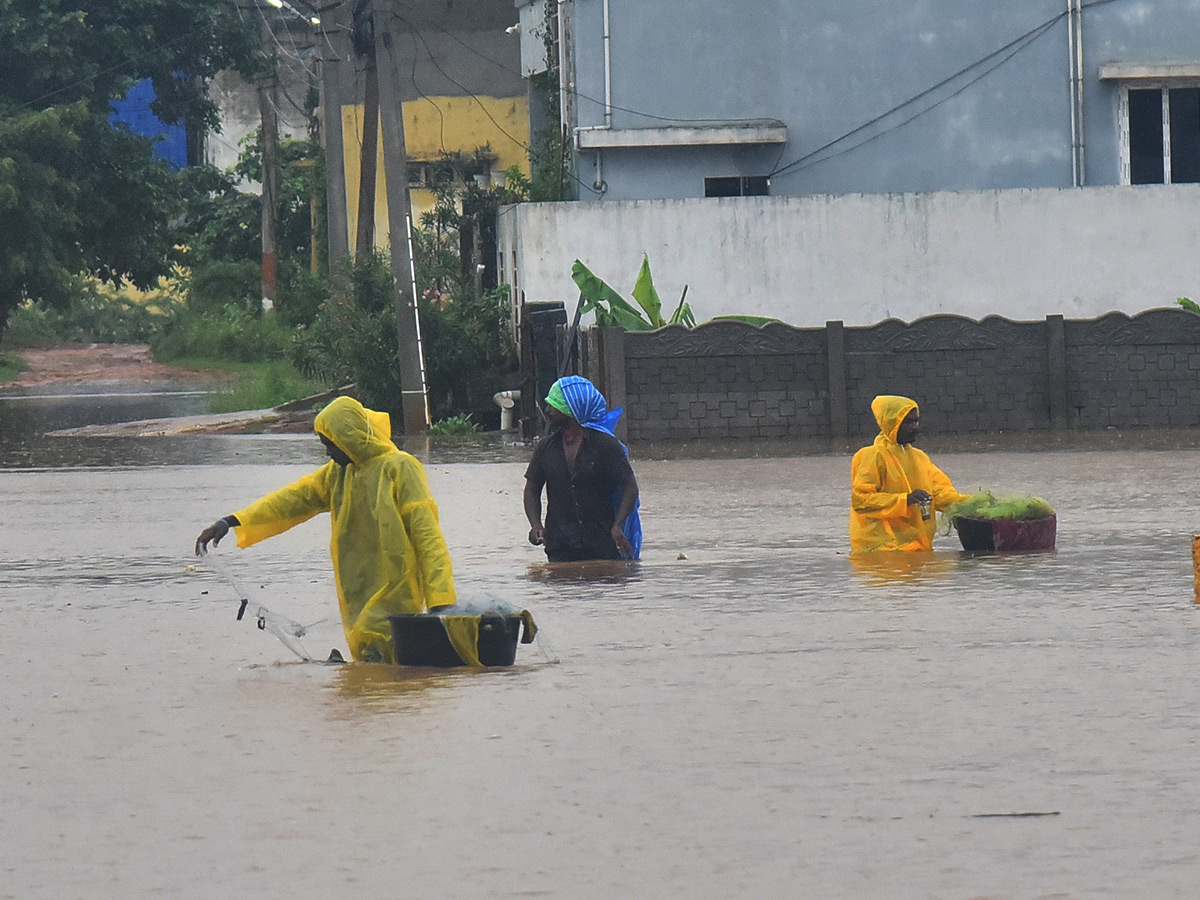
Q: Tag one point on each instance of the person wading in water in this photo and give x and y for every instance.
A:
(896, 488)
(591, 491)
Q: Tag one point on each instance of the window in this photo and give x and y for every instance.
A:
(737, 186)
(1161, 132)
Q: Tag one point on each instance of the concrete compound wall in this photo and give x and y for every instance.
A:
(861, 259)
(726, 380)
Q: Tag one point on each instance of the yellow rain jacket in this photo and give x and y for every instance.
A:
(882, 476)
(389, 556)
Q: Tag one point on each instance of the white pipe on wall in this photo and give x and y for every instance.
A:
(1079, 86)
(1071, 90)
(1075, 61)
(506, 400)
(607, 69)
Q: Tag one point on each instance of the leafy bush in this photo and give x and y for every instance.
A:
(301, 294)
(10, 368)
(230, 333)
(353, 337)
(216, 285)
(468, 352)
(454, 426)
(96, 313)
(33, 324)
(105, 315)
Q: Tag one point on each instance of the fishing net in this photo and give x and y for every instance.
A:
(287, 630)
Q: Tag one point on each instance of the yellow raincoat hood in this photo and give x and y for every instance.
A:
(389, 555)
(882, 476)
(359, 432)
(889, 412)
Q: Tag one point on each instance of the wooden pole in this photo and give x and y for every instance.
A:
(270, 188)
(336, 219)
(365, 238)
(395, 162)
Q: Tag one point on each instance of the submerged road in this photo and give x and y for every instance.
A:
(744, 714)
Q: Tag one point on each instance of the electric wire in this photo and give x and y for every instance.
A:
(534, 155)
(1029, 37)
(1021, 44)
(581, 96)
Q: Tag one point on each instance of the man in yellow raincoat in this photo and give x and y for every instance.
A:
(389, 556)
(895, 488)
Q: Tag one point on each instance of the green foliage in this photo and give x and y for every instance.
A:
(468, 353)
(551, 150)
(224, 223)
(611, 308)
(77, 195)
(10, 367)
(216, 285)
(263, 386)
(986, 505)
(353, 337)
(1189, 305)
(454, 426)
(300, 295)
(95, 313)
(230, 333)
(33, 325)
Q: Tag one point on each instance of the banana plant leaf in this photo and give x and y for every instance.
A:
(609, 306)
(683, 315)
(646, 296)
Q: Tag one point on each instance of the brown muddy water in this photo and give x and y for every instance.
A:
(745, 714)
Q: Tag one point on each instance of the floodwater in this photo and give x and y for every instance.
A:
(745, 714)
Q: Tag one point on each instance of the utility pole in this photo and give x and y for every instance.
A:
(365, 47)
(395, 155)
(335, 167)
(270, 179)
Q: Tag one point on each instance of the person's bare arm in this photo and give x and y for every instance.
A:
(533, 511)
(629, 495)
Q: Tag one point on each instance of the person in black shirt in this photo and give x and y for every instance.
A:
(591, 491)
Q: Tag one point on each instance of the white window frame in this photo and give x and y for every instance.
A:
(1160, 77)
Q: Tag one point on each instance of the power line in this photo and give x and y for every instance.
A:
(467, 91)
(1016, 46)
(581, 96)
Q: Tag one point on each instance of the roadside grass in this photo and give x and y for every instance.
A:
(255, 385)
(10, 367)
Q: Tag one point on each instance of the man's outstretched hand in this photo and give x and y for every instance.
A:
(214, 533)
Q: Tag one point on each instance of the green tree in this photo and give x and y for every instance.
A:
(78, 196)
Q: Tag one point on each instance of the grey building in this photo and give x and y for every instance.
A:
(695, 98)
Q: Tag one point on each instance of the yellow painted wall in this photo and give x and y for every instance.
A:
(432, 128)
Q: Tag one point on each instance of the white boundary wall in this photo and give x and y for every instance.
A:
(1022, 254)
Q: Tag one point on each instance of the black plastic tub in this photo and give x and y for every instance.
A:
(422, 641)
(1006, 536)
